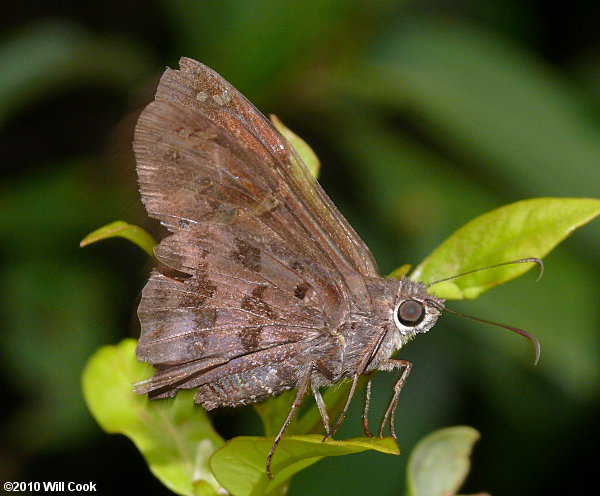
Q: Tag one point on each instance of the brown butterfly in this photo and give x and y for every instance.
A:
(263, 285)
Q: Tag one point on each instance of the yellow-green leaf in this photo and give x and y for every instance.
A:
(308, 156)
(174, 435)
(400, 272)
(240, 465)
(135, 234)
(528, 228)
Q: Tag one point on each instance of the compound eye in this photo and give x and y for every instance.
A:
(411, 313)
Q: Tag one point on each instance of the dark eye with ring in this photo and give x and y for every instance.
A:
(411, 313)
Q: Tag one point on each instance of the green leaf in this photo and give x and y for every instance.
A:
(174, 435)
(440, 462)
(401, 271)
(135, 234)
(529, 228)
(308, 156)
(240, 465)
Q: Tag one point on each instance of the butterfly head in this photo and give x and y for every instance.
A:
(415, 310)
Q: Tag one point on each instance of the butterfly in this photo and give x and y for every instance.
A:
(263, 286)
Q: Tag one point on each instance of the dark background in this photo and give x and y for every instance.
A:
(424, 114)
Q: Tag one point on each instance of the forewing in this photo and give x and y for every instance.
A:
(200, 88)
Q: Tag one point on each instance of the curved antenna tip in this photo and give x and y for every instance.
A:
(538, 350)
(539, 263)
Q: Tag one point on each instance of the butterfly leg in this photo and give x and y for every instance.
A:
(302, 387)
(342, 416)
(391, 409)
(322, 408)
(365, 417)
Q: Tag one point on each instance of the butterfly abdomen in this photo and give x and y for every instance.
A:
(248, 379)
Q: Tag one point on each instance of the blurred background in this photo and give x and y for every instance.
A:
(425, 114)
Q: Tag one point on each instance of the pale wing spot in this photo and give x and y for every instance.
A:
(268, 204)
(222, 99)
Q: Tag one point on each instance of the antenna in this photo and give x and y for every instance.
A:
(520, 260)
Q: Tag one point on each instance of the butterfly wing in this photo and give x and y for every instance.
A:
(200, 88)
(253, 264)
